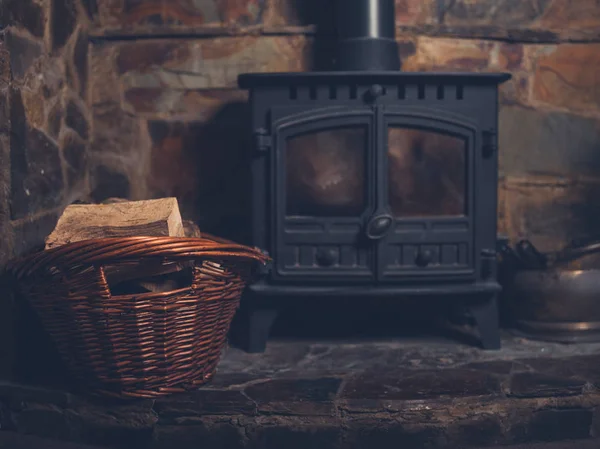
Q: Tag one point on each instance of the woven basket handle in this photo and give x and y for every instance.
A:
(111, 250)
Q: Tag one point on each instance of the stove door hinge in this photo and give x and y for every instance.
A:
(262, 140)
(489, 144)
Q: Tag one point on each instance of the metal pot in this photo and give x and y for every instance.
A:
(560, 302)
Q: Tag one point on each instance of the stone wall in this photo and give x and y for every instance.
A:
(44, 119)
(168, 119)
(44, 135)
(153, 110)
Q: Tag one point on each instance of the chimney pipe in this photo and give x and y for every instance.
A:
(366, 36)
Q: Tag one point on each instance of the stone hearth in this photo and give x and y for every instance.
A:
(421, 393)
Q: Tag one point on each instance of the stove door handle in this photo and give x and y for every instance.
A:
(379, 226)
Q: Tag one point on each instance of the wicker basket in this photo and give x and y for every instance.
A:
(141, 344)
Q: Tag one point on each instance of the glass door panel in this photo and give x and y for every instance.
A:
(326, 172)
(427, 173)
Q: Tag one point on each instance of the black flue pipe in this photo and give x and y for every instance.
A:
(366, 32)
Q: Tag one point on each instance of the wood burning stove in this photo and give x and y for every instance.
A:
(374, 182)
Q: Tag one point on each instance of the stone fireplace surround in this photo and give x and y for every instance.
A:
(108, 117)
(416, 393)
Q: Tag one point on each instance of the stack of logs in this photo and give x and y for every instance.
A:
(121, 218)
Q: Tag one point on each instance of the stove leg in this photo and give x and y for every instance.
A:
(259, 325)
(487, 319)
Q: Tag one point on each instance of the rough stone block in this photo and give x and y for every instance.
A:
(414, 12)
(552, 143)
(205, 434)
(75, 154)
(550, 211)
(566, 76)
(193, 105)
(36, 168)
(108, 183)
(63, 21)
(124, 427)
(572, 368)
(23, 53)
(532, 385)
(5, 75)
(5, 243)
(477, 432)
(179, 159)
(80, 61)
(55, 119)
(45, 421)
(154, 16)
(91, 8)
(205, 64)
(514, 20)
(551, 425)
(380, 432)
(28, 14)
(75, 118)
(179, 409)
(322, 436)
(578, 20)
(450, 54)
(202, 164)
(421, 385)
(30, 233)
(296, 396)
(517, 14)
(103, 77)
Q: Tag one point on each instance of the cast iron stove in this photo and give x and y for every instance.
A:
(369, 181)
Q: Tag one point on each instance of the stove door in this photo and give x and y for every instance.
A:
(427, 189)
(323, 161)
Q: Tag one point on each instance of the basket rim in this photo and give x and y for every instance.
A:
(113, 249)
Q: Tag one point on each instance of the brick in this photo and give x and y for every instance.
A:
(568, 76)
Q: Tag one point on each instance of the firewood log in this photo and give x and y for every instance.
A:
(118, 218)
